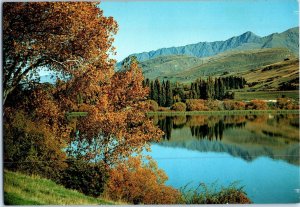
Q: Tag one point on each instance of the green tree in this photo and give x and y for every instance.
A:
(163, 94)
(169, 94)
(156, 91)
(216, 89)
(221, 88)
(210, 88)
(152, 91)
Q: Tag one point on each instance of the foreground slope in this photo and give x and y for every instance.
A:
(20, 189)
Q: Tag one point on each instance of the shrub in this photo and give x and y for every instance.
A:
(31, 148)
(214, 105)
(233, 105)
(153, 105)
(137, 182)
(210, 195)
(84, 176)
(196, 105)
(285, 103)
(257, 105)
(179, 106)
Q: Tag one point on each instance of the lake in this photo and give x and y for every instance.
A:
(259, 151)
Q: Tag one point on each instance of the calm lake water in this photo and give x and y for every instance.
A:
(259, 151)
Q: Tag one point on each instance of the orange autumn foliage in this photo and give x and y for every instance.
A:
(74, 39)
(196, 105)
(116, 125)
(65, 37)
(178, 106)
(140, 183)
(286, 103)
(234, 105)
(257, 105)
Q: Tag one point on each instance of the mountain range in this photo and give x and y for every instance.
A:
(287, 39)
(238, 55)
(246, 55)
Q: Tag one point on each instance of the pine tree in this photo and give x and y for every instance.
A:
(169, 94)
(210, 88)
(216, 89)
(152, 90)
(157, 91)
(203, 90)
(221, 88)
(163, 94)
(147, 82)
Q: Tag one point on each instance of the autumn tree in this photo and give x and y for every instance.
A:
(140, 183)
(30, 147)
(117, 125)
(63, 37)
(75, 39)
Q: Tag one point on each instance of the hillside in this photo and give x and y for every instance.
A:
(187, 69)
(21, 189)
(271, 77)
(288, 39)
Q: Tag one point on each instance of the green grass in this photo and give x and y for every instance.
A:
(20, 189)
(225, 112)
(266, 95)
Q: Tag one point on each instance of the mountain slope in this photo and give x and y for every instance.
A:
(288, 39)
(271, 77)
(187, 69)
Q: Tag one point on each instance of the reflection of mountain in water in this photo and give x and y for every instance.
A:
(290, 154)
(247, 137)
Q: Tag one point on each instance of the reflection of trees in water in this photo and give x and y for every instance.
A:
(215, 131)
(166, 125)
(210, 129)
(213, 127)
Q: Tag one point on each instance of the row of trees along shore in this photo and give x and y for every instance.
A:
(166, 93)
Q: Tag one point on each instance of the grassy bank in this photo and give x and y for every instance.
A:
(20, 189)
(225, 112)
(265, 95)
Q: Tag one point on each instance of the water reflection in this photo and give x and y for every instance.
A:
(244, 136)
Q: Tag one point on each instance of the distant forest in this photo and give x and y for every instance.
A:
(166, 93)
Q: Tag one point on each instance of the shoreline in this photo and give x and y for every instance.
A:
(223, 112)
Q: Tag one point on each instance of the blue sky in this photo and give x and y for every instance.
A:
(150, 25)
